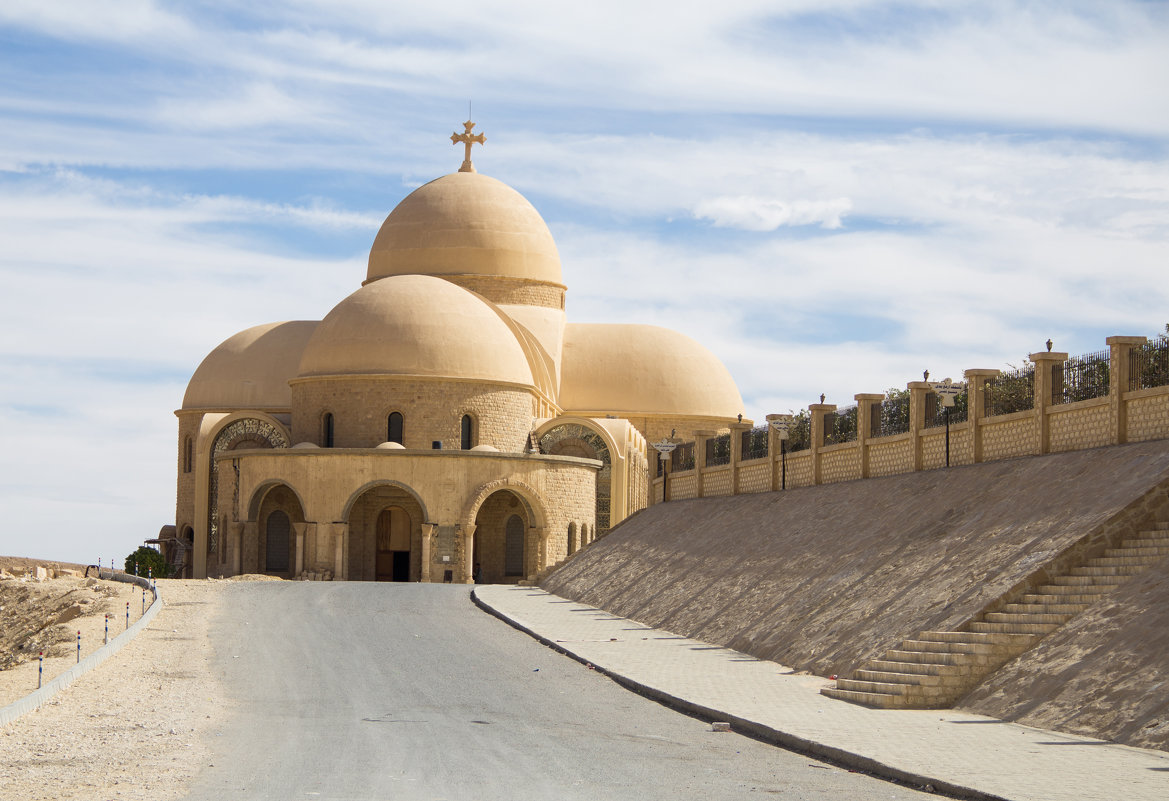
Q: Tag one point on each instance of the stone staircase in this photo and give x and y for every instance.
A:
(936, 668)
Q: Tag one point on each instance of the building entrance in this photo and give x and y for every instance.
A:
(393, 545)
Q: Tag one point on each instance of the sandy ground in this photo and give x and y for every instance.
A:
(134, 727)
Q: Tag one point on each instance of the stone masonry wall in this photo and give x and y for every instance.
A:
(431, 410)
(1086, 424)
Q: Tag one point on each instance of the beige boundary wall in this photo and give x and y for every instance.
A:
(1121, 416)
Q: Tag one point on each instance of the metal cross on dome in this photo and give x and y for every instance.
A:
(468, 139)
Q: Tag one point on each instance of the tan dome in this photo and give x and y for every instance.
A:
(251, 370)
(465, 224)
(416, 325)
(642, 369)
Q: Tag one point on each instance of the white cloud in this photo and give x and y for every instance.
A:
(767, 214)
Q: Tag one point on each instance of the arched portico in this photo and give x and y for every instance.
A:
(506, 533)
(271, 541)
(584, 439)
(384, 534)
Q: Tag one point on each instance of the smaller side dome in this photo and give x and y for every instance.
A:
(486, 447)
(305, 445)
(416, 325)
(643, 369)
(251, 369)
(391, 446)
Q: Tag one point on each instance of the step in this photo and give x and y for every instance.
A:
(883, 687)
(1121, 570)
(873, 700)
(1039, 617)
(1081, 588)
(914, 679)
(953, 647)
(934, 658)
(1135, 560)
(1016, 628)
(1139, 550)
(1053, 607)
(972, 637)
(918, 668)
(1110, 582)
(1069, 599)
(1148, 534)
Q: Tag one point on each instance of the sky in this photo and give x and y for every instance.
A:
(831, 195)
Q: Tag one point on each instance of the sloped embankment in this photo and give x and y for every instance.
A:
(825, 578)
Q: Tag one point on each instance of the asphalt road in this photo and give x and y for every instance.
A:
(408, 691)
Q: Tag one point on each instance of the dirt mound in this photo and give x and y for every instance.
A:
(825, 578)
(37, 616)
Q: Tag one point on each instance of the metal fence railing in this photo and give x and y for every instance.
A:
(935, 413)
(754, 445)
(682, 458)
(1148, 364)
(840, 426)
(891, 416)
(718, 450)
(799, 435)
(1010, 391)
(1080, 378)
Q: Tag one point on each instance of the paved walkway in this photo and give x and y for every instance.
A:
(954, 751)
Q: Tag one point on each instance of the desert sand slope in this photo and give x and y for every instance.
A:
(824, 578)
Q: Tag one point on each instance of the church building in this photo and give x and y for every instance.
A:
(444, 422)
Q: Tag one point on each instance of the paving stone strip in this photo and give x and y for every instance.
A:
(955, 751)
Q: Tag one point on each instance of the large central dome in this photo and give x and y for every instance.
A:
(465, 224)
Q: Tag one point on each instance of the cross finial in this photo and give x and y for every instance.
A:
(468, 138)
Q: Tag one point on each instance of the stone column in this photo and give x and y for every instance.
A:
(701, 437)
(299, 530)
(1119, 375)
(976, 406)
(236, 538)
(773, 451)
(539, 551)
(918, 392)
(737, 430)
(340, 541)
(429, 531)
(818, 411)
(866, 426)
(469, 554)
(1045, 363)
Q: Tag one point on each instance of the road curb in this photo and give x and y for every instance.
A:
(35, 700)
(752, 728)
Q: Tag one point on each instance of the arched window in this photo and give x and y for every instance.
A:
(327, 430)
(394, 428)
(513, 546)
(571, 538)
(468, 433)
(276, 546)
(188, 455)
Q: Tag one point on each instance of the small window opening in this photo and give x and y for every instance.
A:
(328, 432)
(394, 428)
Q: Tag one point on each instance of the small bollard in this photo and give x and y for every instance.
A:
(150, 573)
(40, 668)
(144, 602)
(135, 567)
(107, 642)
(127, 615)
(79, 647)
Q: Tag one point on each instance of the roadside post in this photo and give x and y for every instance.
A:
(127, 615)
(107, 642)
(79, 647)
(40, 668)
(664, 449)
(782, 427)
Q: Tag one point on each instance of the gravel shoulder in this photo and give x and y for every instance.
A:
(132, 728)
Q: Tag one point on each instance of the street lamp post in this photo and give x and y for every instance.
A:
(947, 391)
(664, 449)
(782, 426)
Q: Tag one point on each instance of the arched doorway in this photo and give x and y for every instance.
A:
(270, 546)
(505, 547)
(392, 559)
(385, 535)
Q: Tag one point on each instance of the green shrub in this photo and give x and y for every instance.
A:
(147, 559)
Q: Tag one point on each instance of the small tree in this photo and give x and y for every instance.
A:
(148, 559)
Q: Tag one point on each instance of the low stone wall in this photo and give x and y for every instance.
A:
(1121, 416)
